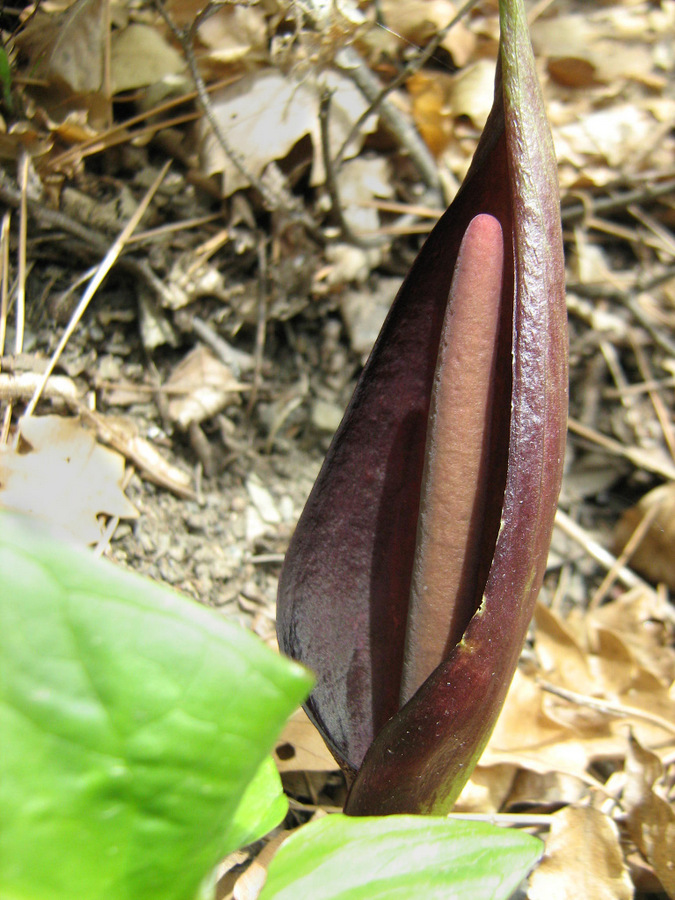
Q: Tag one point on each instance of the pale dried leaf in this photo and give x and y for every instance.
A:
(200, 386)
(472, 91)
(265, 113)
(560, 652)
(234, 33)
(65, 478)
(140, 57)
(487, 790)
(583, 859)
(69, 46)
(300, 747)
(614, 136)
(417, 21)
(362, 180)
(655, 555)
(651, 819)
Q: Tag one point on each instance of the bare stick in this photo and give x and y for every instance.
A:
(609, 709)
(331, 182)
(354, 67)
(601, 555)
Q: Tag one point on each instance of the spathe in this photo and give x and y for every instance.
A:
(345, 590)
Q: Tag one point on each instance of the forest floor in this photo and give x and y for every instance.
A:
(218, 355)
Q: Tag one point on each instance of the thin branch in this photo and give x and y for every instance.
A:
(609, 709)
(597, 552)
(331, 182)
(616, 202)
(352, 65)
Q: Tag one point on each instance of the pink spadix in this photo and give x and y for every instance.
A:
(447, 567)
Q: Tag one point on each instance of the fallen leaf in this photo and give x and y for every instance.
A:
(62, 476)
(200, 386)
(651, 819)
(140, 57)
(430, 96)
(417, 21)
(583, 859)
(359, 182)
(300, 747)
(471, 91)
(69, 47)
(654, 556)
(232, 33)
(265, 113)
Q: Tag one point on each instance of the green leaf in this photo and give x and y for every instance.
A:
(389, 857)
(262, 807)
(5, 79)
(132, 720)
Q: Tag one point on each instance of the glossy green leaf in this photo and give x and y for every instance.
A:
(5, 79)
(132, 721)
(262, 807)
(399, 858)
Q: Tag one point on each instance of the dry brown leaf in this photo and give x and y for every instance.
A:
(583, 858)
(141, 57)
(430, 93)
(559, 737)
(64, 478)
(651, 819)
(233, 34)
(300, 747)
(265, 113)
(472, 91)
(645, 622)
(438, 99)
(560, 652)
(417, 21)
(655, 555)
(618, 671)
(200, 386)
(487, 790)
(620, 690)
(69, 47)
(603, 46)
(528, 737)
(542, 789)
(360, 181)
(600, 141)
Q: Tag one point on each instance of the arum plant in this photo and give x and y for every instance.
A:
(411, 578)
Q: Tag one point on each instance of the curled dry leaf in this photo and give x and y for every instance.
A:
(583, 859)
(199, 387)
(651, 819)
(654, 556)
